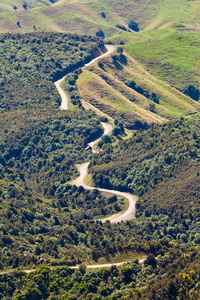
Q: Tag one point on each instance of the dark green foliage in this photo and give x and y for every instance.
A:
(100, 33)
(160, 165)
(121, 27)
(171, 279)
(150, 261)
(71, 88)
(154, 97)
(192, 92)
(31, 61)
(140, 90)
(133, 25)
(119, 57)
(116, 131)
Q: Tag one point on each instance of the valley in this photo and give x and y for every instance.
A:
(99, 150)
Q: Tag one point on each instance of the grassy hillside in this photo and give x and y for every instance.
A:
(149, 80)
(83, 16)
(15, 5)
(173, 58)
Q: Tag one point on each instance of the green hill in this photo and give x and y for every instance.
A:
(153, 79)
(150, 90)
(111, 17)
(171, 55)
(15, 5)
(156, 64)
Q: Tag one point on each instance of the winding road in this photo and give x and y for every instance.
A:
(129, 213)
(65, 99)
(107, 130)
(109, 265)
(141, 260)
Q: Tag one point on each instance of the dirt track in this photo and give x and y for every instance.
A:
(83, 169)
(129, 213)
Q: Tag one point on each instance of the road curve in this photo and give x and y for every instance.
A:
(83, 169)
(107, 130)
(128, 214)
(110, 50)
(108, 265)
(64, 97)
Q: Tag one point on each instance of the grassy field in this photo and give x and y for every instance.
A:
(83, 16)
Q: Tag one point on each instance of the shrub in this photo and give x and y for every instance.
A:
(121, 27)
(133, 25)
(100, 33)
(192, 92)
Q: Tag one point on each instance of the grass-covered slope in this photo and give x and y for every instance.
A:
(171, 56)
(149, 82)
(110, 16)
(15, 5)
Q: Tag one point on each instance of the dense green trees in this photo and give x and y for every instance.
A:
(31, 61)
(170, 279)
(152, 164)
(133, 25)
